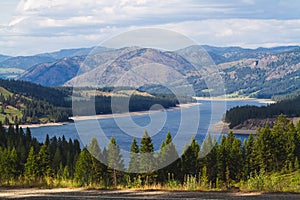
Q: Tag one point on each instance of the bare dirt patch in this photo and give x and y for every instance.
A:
(35, 193)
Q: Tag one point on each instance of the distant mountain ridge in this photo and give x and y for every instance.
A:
(4, 57)
(17, 65)
(261, 72)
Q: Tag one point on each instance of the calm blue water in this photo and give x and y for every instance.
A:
(183, 124)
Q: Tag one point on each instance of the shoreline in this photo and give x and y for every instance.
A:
(270, 101)
(24, 126)
(223, 128)
(104, 116)
(136, 113)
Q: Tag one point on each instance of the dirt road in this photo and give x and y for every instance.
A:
(77, 194)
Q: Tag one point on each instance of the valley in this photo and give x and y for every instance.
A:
(74, 87)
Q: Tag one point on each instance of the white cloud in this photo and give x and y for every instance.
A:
(242, 32)
(75, 23)
(16, 21)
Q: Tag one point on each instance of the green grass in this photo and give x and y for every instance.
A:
(275, 182)
(2, 117)
(5, 92)
(10, 112)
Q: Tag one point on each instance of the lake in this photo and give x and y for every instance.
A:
(185, 123)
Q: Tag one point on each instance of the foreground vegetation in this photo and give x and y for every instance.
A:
(266, 162)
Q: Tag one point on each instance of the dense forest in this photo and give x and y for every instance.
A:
(289, 107)
(55, 96)
(17, 109)
(257, 163)
(27, 103)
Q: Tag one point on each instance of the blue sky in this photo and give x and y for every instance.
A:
(35, 26)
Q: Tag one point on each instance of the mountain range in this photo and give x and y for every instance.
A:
(262, 72)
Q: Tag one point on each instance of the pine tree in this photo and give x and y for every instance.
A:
(83, 173)
(115, 162)
(263, 146)
(279, 141)
(133, 166)
(31, 166)
(211, 159)
(297, 140)
(94, 149)
(147, 160)
(250, 166)
(190, 159)
(4, 168)
(44, 162)
(57, 160)
(290, 146)
(97, 167)
(13, 164)
(8, 164)
(222, 160)
(168, 159)
(28, 138)
(235, 160)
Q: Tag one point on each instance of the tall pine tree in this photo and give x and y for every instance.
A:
(133, 166)
(115, 162)
(147, 159)
(31, 166)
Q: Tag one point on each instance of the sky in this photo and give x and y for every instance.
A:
(30, 27)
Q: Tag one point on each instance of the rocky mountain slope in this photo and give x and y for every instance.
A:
(259, 72)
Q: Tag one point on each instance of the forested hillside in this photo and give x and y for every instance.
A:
(289, 107)
(19, 109)
(27, 103)
(55, 96)
(258, 163)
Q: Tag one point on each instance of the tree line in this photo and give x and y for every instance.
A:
(288, 107)
(213, 164)
(24, 159)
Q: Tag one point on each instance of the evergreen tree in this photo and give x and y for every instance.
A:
(222, 160)
(98, 169)
(133, 166)
(115, 162)
(4, 168)
(94, 149)
(44, 162)
(250, 166)
(279, 141)
(31, 166)
(190, 159)
(28, 138)
(83, 173)
(57, 160)
(210, 149)
(147, 160)
(13, 164)
(168, 159)
(263, 146)
(235, 162)
(290, 147)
